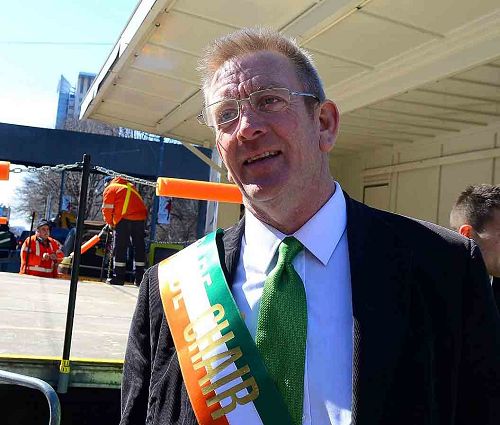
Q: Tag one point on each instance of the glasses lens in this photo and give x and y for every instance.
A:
(270, 100)
(221, 112)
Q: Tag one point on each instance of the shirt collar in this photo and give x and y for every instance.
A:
(320, 235)
(260, 242)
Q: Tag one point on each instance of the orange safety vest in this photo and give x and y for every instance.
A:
(121, 200)
(37, 266)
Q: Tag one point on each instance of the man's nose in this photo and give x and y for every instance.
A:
(251, 124)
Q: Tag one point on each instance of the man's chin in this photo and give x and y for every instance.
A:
(257, 193)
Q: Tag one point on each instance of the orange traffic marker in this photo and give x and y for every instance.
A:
(4, 220)
(4, 170)
(90, 243)
(194, 189)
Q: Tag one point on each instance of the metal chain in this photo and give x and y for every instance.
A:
(110, 253)
(43, 168)
(78, 165)
(113, 173)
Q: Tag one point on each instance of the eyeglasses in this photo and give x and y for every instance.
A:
(268, 100)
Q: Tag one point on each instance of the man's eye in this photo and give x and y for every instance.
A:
(271, 103)
(226, 115)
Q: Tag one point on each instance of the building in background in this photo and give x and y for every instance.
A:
(82, 87)
(65, 102)
(70, 98)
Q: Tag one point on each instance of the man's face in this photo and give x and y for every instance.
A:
(43, 232)
(275, 157)
(489, 242)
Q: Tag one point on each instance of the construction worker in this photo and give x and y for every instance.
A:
(124, 210)
(40, 253)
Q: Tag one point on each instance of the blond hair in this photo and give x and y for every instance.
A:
(250, 40)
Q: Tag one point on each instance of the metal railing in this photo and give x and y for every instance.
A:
(37, 384)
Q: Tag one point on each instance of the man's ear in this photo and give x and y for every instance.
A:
(329, 125)
(465, 230)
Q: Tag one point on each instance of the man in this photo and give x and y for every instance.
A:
(40, 254)
(476, 215)
(124, 210)
(370, 318)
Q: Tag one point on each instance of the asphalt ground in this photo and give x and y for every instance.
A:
(33, 317)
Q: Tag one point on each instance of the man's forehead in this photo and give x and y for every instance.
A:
(255, 70)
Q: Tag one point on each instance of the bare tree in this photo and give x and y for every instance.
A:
(183, 222)
(91, 126)
(41, 192)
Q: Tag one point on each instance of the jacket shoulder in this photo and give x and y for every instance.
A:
(416, 234)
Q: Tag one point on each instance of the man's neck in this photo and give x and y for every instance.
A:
(289, 220)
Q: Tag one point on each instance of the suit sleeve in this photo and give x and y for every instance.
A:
(137, 366)
(478, 399)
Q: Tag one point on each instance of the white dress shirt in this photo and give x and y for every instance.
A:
(324, 268)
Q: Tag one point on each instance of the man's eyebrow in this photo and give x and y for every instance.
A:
(228, 95)
(268, 86)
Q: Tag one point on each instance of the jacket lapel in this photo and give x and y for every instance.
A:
(229, 249)
(379, 263)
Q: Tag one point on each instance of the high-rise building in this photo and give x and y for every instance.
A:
(65, 102)
(82, 87)
(70, 98)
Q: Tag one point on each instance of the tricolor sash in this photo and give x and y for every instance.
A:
(225, 377)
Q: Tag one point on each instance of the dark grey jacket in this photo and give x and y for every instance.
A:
(426, 335)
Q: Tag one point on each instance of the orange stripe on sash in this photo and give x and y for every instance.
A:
(178, 320)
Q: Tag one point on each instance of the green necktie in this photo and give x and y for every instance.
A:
(282, 328)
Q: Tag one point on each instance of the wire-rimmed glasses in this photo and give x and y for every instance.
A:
(225, 111)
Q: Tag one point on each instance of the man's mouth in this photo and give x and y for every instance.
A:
(262, 156)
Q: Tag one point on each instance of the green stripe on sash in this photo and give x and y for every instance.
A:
(270, 406)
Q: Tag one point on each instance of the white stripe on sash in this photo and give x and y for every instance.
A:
(196, 302)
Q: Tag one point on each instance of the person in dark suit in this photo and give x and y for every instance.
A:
(476, 215)
(400, 323)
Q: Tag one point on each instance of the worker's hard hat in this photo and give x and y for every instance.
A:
(42, 222)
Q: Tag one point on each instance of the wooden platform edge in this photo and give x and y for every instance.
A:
(87, 373)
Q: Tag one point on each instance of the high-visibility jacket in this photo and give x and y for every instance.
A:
(37, 266)
(121, 200)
